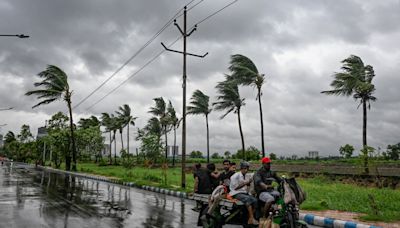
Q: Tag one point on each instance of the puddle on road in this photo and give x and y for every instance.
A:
(31, 198)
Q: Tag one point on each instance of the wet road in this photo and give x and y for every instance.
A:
(31, 198)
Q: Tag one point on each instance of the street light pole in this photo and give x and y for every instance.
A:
(17, 35)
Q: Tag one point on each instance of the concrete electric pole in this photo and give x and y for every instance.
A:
(185, 34)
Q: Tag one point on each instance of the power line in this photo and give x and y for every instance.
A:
(136, 54)
(134, 74)
(155, 57)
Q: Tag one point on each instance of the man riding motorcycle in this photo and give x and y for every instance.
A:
(263, 184)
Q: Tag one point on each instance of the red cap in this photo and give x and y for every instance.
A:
(266, 160)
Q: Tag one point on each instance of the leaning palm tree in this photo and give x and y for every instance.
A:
(175, 125)
(160, 111)
(54, 86)
(199, 105)
(229, 99)
(125, 114)
(356, 81)
(245, 71)
(106, 121)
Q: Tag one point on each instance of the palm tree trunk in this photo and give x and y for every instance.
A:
(127, 139)
(110, 156)
(208, 141)
(115, 148)
(173, 155)
(71, 125)
(166, 143)
(122, 141)
(366, 169)
(364, 123)
(241, 135)
(262, 123)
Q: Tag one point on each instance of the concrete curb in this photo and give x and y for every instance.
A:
(308, 218)
(331, 223)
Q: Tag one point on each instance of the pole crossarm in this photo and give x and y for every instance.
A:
(181, 52)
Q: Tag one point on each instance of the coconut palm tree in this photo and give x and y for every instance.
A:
(53, 87)
(356, 81)
(175, 125)
(125, 114)
(160, 111)
(229, 99)
(9, 137)
(106, 121)
(93, 121)
(245, 71)
(199, 105)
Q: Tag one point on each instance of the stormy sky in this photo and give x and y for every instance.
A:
(298, 45)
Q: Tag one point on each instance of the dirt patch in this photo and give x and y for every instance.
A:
(350, 216)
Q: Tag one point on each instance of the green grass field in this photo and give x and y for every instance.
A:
(322, 193)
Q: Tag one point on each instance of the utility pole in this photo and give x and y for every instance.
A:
(185, 35)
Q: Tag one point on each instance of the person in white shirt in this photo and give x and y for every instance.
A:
(238, 187)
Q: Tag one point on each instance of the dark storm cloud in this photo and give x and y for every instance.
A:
(297, 44)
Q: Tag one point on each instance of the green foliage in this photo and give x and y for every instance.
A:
(252, 153)
(151, 147)
(227, 154)
(365, 153)
(393, 151)
(215, 156)
(272, 156)
(196, 154)
(346, 150)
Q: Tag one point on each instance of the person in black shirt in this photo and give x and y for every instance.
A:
(225, 177)
(263, 184)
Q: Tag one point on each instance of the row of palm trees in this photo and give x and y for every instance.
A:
(355, 80)
(243, 72)
(122, 119)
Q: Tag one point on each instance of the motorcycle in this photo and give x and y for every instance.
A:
(284, 212)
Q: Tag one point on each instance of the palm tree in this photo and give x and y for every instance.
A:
(89, 122)
(106, 121)
(199, 105)
(356, 81)
(54, 86)
(229, 100)
(160, 111)
(125, 114)
(175, 125)
(245, 71)
(9, 137)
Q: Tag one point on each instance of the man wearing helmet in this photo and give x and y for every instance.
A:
(263, 183)
(239, 191)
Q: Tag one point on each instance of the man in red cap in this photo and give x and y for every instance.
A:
(263, 179)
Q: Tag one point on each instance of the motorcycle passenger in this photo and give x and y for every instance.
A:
(205, 182)
(263, 184)
(239, 191)
(225, 177)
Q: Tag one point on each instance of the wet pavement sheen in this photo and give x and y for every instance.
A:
(33, 198)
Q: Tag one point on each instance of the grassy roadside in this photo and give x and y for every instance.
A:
(323, 194)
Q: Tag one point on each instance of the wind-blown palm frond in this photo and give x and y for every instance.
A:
(355, 80)
(229, 97)
(199, 104)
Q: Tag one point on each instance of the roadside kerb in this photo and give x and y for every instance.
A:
(308, 218)
(331, 223)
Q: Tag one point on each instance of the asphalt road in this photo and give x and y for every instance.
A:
(31, 198)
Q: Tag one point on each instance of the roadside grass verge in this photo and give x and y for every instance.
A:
(322, 193)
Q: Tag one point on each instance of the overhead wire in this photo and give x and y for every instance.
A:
(135, 54)
(156, 56)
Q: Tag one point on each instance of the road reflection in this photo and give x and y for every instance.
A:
(33, 198)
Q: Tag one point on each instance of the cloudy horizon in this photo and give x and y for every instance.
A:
(298, 45)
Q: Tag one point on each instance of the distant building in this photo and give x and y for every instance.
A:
(313, 154)
(42, 131)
